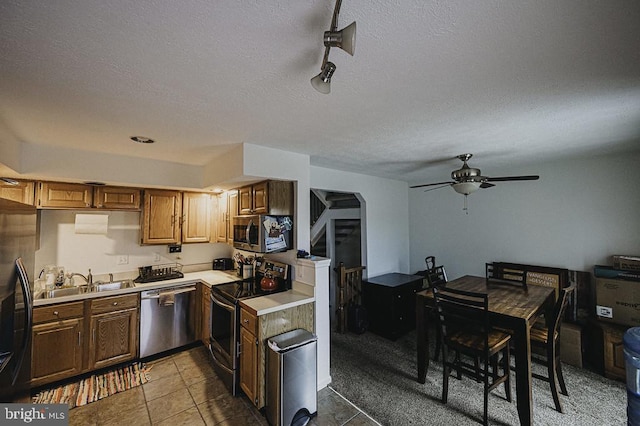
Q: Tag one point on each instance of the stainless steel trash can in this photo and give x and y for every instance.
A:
(291, 394)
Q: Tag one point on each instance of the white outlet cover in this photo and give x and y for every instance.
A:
(123, 260)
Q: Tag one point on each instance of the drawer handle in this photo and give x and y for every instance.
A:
(115, 303)
(56, 313)
(246, 321)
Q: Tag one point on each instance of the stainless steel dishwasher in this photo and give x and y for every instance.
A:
(167, 319)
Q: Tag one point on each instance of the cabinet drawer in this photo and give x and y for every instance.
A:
(58, 312)
(249, 321)
(114, 303)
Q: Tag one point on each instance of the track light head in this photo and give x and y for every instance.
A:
(322, 81)
(345, 39)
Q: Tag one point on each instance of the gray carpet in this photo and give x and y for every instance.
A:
(379, 376)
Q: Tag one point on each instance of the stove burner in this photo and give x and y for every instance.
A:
(243, 290)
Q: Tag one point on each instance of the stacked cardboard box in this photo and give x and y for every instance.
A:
(618, 291)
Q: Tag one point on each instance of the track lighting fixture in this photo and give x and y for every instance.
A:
(345, 39)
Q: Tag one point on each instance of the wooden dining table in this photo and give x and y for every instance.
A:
(511, 307)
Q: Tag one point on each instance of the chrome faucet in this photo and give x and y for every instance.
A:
(88, 278)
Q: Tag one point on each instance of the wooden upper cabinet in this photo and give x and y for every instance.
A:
(160, 218)
(219, 218)
(116, 198)
(196, 217)
(245, 200)
(268, 197)
(64, 195)
(23, 192)
(232, 211)
(60, 195)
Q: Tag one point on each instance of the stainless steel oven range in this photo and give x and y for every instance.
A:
(225, 318)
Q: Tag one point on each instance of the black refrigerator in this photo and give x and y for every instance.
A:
(18, 223)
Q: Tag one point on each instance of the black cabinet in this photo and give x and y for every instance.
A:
(391, 303)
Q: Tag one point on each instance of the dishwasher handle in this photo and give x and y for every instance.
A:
(156, 294)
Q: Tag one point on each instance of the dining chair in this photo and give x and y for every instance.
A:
(497, 274)
(463, 318)
(348, 292)
(548, 338)
(437, 277)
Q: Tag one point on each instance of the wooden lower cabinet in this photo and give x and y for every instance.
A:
(58, 339)
(59, 350)
(254, 332)
(69, 339)
(206, 315)
(113, 338)
(614, 363)
(249, 364)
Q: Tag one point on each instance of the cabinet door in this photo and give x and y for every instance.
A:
(614, 363)
(56, 351)
(232, 211)
(245, 200)
(64, 195)
(116, 198)
(248, 364)
(23, 192)
(196, 217)
(160, 218)
(221, 223)
(260, 195)
(206, 315)
(113, 338)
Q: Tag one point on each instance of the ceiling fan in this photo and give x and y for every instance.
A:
(467, 180)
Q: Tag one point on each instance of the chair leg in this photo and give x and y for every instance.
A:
(446, 371)
(553, 381)
(506, 369)
(486, 392)
(563, 386)
(438, 343)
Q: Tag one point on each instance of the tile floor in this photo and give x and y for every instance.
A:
(184, 390)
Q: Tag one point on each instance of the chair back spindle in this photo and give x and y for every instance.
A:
(349, 291)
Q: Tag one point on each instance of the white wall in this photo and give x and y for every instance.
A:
(60, 245)
(578, 214)
(387, 217)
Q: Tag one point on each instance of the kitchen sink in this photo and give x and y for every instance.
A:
(60, 292)
(116, 285)
(72, 291)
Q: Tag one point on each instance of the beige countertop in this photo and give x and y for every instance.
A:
(261, 305)
(208, 277)
(278, 301)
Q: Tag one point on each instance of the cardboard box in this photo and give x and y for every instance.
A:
(618, 301)
(629, 263)
(571, 344)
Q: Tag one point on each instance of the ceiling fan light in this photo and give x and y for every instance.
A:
(466, 188)
(345, 39)
(322, 81)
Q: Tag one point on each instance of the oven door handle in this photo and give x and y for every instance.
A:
(222, 303)
(221, 365)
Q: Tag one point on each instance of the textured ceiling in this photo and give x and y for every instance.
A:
(511, 82)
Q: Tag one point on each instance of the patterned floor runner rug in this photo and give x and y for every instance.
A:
(95, 387)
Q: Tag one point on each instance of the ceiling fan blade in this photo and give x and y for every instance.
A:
(432, 184)
(437, 187)
(486, 185)
(508, 178)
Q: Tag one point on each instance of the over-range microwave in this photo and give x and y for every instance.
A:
(263, 233)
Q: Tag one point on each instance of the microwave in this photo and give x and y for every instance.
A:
(263, 233)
